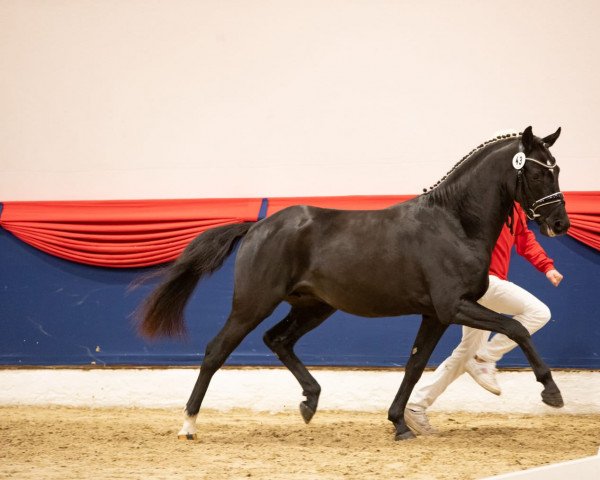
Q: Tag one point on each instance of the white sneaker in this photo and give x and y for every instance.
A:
(484, 373)
(418, 422)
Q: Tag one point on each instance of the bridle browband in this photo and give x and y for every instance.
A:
(530, 211)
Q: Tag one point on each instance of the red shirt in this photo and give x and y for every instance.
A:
(527, 247)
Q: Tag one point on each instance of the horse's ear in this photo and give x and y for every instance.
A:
(527, 139)
(550, 139)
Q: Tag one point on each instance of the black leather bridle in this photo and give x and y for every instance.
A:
(531, 207)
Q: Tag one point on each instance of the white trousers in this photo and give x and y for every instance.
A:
(501, 296)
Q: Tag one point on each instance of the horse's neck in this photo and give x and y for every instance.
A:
(482, 215)
(483, 200)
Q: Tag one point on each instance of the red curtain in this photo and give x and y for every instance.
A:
(584, 212)
(121, 234)
(136, 233)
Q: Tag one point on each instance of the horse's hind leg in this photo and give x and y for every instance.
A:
(474, 315)
(430, 332)
(282, 338)
(239, 324)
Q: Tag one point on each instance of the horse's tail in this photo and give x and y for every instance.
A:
(162, 312)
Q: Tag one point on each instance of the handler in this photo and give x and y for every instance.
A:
(475, 354)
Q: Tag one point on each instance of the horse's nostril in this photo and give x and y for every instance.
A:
(560, 226)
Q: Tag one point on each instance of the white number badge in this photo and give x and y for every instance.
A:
(519, 161)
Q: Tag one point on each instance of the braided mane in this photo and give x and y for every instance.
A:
(469, 155)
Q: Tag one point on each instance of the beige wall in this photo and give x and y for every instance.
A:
(175, 98)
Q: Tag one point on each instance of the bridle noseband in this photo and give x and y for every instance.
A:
(519, 161)
(557, 197)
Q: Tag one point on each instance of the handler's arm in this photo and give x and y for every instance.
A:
(528, 247)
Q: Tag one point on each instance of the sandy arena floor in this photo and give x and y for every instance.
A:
(77, 443)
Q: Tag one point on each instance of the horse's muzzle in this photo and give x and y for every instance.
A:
(555, 225)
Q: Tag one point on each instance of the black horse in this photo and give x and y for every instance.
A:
(428, 256)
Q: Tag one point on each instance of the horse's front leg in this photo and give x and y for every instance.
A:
(474, 315)
(430, 332)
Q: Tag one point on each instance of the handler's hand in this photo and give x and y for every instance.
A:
(554, 276)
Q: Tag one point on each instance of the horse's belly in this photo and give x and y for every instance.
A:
(368, 300)
(376, 311)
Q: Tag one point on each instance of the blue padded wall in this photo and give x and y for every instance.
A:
(54, 312)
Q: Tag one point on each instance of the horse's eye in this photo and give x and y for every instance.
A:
(535, 176)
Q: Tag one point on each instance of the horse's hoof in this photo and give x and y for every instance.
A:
(408, 435)
(306, 412)
(554, 399)
(187, 436)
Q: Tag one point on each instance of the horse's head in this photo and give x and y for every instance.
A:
(537, 183)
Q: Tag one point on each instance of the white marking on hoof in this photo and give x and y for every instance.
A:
(188, 431)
